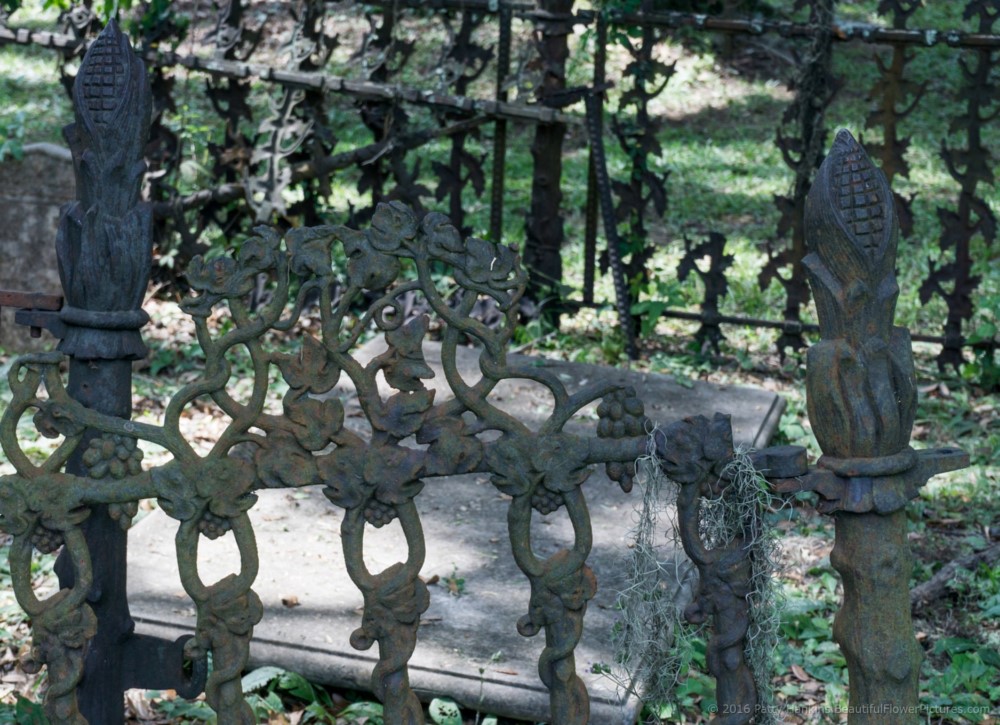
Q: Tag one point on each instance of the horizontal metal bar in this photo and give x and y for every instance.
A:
(845, 32)
(741, 321)
(30, 300)
(320, 81)
(863, 32)
(491, 7)
(368, 89)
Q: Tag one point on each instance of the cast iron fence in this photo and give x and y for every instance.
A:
(82, 497)
(480, 61)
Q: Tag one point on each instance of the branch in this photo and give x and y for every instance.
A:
(936, 587)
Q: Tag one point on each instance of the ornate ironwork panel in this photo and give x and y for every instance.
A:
(714, 279)
(96, 474)
(972, 167)
(896, 97)
(801, 140)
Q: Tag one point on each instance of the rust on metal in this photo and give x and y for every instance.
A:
(375, 478)
(861, 389)
(694, 453)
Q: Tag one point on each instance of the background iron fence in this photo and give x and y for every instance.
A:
(418, 102)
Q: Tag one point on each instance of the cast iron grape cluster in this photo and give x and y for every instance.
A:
(378, 514)
(113, 455)
(46, 540)
(621, 416)
(545, 501)
(123, 513)
(213, 526)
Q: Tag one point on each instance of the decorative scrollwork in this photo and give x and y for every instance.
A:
(375, 478)
(714, 279)
(972, 168)
(801, 139)
(892, 89)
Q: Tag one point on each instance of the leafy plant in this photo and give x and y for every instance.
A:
(985, 368)
(968, 684)
(358, 710)
(271, 690)
(444, 711)
(23, 712)
(12, 137)
(454, 583)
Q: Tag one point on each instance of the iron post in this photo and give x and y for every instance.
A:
(104, 249)
(861, 393)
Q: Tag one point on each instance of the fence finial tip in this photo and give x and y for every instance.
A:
(844, 138)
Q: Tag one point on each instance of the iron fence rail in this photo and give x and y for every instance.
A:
(293, 145)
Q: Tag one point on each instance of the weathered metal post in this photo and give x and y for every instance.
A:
(862, 398)
(105, 250)
(544, 225)
(504, 17)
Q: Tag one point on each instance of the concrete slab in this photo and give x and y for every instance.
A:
(468, 647)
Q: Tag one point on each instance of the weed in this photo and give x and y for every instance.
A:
(454, 583)
(444, 711)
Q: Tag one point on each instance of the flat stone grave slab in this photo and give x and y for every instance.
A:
(468, 647)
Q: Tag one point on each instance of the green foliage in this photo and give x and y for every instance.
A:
(195, 710)
(454, 583)
(444, 711)
(968, 684)
(104, 8)
(23, 712)
(666, 293)
(272, 690)
(984, 370)
(12, 137)
(359, 710)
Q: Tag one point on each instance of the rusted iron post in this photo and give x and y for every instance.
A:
(861, 388)
(104, 248)
(592, 209)
(544, 227)
(505, 18)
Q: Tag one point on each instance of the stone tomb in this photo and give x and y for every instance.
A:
(32, 192)
(468, 647)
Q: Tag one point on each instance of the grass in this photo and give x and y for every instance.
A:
(724, 172)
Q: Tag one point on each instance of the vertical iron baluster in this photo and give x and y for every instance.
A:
(643, 193)
(622, 298)
(897, 96)
(394, 600)
(500, 126)
(972, 168)
(544, 232)
(714, 279)
(593, 200)
(463, 61)
(694, 453)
